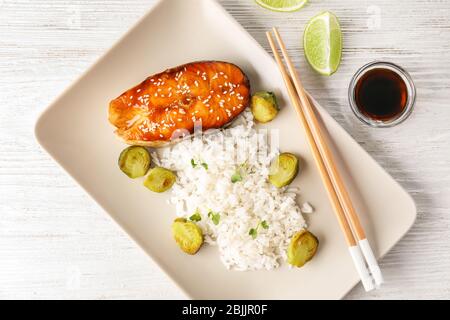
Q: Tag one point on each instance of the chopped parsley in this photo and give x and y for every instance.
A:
(196, 217)
(203, 164)
(254, 231)
(264, 224)
(215, 217)
(236, 177)
(238, 174)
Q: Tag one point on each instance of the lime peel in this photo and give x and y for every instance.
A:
(282, 5)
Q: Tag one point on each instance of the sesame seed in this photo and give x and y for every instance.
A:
(218, 118)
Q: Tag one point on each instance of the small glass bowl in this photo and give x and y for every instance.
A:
(411, 94)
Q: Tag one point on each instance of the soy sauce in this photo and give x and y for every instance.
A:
(381, 94)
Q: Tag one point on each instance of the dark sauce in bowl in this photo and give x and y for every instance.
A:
(381, 94)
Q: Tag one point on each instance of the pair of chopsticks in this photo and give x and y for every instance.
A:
(359, 246)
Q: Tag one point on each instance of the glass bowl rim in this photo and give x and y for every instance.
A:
(411, 92)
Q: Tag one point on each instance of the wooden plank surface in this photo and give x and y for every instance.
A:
(55, 242)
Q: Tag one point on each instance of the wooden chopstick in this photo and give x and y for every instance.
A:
(340, 215)
(330, 164)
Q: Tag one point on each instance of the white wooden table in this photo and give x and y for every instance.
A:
(55, 242)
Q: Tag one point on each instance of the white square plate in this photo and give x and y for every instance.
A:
(76, 133)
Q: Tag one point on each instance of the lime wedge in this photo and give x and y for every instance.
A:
(322, 43)
(282, 5)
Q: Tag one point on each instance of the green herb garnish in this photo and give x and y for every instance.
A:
(254, 231)
(196, 217)
(215, 217)
(264, 224)
(203, 164)
(236, 177)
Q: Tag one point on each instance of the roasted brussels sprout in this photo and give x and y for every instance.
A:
(264, 106)
(302, 248)
(160, 179)
(188, 235)
(134, 161)
(283, 170)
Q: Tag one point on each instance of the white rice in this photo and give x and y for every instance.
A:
(241, 205)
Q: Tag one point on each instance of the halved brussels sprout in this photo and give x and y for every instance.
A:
(188, 235)
(160, 179)
(283, 170)
(134, 161)
(264, 106)
(302, 248)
